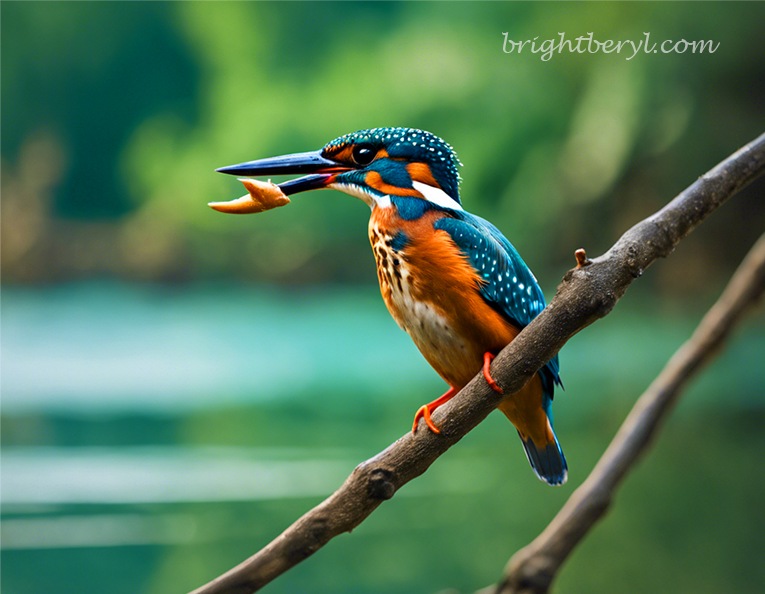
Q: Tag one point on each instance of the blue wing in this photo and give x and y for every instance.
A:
(510, 286)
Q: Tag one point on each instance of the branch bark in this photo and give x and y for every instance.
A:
(532, 569)
(587, 293)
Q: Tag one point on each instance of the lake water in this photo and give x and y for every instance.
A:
(163, 434)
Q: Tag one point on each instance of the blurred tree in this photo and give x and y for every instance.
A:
(146, 99)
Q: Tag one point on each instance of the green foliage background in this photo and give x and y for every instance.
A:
(114, 116)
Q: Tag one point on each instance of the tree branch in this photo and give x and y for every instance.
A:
(532, 569)
(586, 293)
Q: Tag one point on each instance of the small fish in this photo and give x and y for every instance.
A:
(262, 196)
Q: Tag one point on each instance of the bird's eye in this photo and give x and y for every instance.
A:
(363, 154)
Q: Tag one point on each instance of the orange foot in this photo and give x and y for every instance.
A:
(487, 359)
(426, 409)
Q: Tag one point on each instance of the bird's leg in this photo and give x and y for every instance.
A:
(426, 409)
(487, 359)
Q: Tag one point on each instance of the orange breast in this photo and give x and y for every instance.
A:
(432, 292)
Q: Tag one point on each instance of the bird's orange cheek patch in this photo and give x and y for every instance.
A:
(374, 180)
(262, 196)
(344, 155)
(421, 172)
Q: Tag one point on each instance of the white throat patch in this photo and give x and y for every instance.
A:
(435, 195)
(370, 199)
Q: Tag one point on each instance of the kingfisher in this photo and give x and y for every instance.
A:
(449, 278)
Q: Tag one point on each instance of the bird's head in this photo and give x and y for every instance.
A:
(373, 165)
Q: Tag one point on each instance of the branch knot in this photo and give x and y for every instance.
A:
(380, 485)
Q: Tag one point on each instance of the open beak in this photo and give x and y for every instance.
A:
(321, 170)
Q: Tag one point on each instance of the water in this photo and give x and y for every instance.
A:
(165, 434)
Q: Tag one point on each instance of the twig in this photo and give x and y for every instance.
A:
(581, 258)
(585, 294)
(532, 569)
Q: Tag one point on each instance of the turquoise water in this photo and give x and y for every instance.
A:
(165, 434)
(118, 348)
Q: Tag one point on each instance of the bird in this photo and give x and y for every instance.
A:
(449, 278)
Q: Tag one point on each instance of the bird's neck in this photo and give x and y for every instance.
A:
(405, 208)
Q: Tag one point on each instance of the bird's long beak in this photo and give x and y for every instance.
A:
(321, 170)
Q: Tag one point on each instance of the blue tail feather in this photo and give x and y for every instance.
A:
(548, 462)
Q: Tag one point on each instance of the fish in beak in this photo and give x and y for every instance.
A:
(266, 195)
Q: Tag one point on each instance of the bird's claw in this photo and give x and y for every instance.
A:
(487, 359)
(426, 409)
(424, 413)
